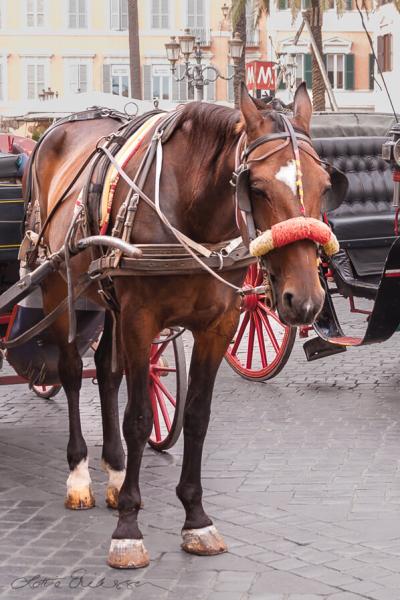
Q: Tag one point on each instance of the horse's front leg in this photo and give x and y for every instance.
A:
(138, 329)
(199, 534)
(113, 456)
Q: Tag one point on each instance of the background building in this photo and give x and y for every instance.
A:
(60, 49)
(347, 53)
(54, 49)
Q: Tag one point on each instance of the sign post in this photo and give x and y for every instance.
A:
(260, 76)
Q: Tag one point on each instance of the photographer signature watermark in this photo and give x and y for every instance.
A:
(78, 579)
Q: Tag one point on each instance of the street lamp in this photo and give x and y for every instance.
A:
(197, 74)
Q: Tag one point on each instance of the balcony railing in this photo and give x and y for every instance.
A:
(203, 33)
(252, 37)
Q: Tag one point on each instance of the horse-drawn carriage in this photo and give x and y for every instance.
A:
(154, 287)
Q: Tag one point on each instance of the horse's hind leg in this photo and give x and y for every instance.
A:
(199, 534)
(113, 456)
(79, 490)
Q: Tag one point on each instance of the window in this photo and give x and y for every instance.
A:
(160, 14)
(116, 79)
(77, 14)
(161, 82)
(35, 80)
(119, 15)
(196, 18)
(335, 69)
(385, 51)
(284, 4)
(78, 77)
(35, 13)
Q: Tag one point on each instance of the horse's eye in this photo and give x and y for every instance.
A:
(258, 192)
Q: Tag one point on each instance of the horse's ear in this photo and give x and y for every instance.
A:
(251, 115)
(302, 110)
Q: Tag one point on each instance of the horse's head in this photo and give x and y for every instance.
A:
(276, 196)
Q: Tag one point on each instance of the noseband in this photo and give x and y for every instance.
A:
(290, 230)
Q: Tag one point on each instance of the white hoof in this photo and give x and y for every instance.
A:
(115, 481)
(206, 541)
(79, 488)
(128, 554)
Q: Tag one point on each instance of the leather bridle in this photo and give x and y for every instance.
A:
(241, 176)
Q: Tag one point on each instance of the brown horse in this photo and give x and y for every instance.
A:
(196, 196)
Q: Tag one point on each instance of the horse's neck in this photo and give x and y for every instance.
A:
(210, 209)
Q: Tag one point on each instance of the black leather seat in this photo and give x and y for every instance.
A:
(364, 222)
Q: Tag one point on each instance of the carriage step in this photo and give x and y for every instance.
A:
(319, 348)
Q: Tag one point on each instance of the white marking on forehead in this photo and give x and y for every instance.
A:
(287, 174)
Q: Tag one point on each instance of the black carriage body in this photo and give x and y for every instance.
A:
(11, 217)
(364, 221)
(368, 264)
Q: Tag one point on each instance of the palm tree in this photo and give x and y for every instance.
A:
(134, 49)
(239, 23)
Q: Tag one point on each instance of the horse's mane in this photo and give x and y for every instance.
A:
(212, 129)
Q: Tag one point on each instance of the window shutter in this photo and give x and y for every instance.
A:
(380, 51)
(308, 70)
(371, 72)
(165, 14)
(349, 71)
(349, 5)
(282, 4)
(231, 92)
(83, 78)
(147, 82)
(124, 17)
(388, 51)
(107, 79)
(114, 22)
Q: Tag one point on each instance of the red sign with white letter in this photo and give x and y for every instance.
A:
(260, 75)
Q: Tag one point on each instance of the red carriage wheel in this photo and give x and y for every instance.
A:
(262, 344)
(46, 391)
(168, 388)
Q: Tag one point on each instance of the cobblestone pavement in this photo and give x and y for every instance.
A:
(301, 475)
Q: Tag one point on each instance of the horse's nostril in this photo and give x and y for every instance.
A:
(288, 299)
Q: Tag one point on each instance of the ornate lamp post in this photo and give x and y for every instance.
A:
(197, 74)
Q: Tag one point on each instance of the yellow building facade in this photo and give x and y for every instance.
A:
(59, 48)
(54, 48)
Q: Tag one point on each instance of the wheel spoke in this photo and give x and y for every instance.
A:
(271, 313)
(164, 411)
(260, 337)
(164, 390)
(163, 369)
(240, 333)
(159, 350)
(250, 345)
(156, 419)
(270, 331)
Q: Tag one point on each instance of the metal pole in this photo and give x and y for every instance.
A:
(321, 66)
